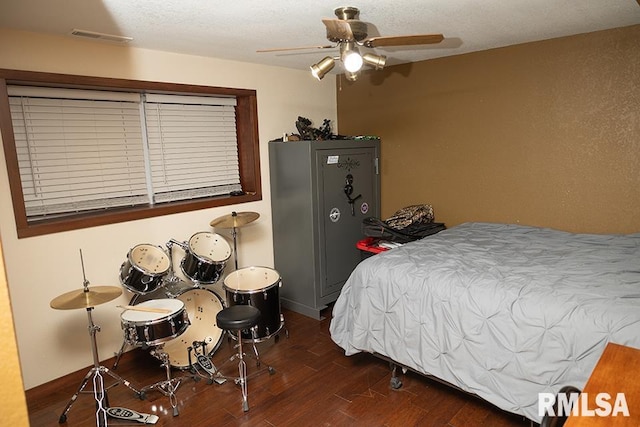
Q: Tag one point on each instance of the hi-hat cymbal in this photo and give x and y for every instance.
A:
(80, 298)
(235, 219)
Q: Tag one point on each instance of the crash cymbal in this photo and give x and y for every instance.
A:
(235, 219)
(95, 295)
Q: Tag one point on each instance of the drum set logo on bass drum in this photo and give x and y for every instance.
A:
(186, 318)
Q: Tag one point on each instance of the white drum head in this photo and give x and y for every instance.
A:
(172, 306)
(150, 259)
(210, 246)
(251, 279)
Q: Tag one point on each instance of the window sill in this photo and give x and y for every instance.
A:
(94, 219)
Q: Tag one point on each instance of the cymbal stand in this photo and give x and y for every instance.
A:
(99, 391)
(169, 386)
(234, 234)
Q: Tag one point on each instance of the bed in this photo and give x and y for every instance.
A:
(500, 311)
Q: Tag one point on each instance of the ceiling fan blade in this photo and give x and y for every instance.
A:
(338, 29)
(403, 40)
(284, 49)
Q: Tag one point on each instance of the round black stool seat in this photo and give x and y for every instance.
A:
(238, 317)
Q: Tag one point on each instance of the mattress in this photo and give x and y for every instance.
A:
(501, 311)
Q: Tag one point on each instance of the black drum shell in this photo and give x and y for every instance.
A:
(144, 269)
(138, 282)
(201, 271)
(205, 258)
(157, 331)
(267, 300)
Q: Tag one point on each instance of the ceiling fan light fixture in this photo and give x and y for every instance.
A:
(320, 69)
(376, 61)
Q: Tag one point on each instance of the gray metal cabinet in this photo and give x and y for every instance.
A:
(315, 226)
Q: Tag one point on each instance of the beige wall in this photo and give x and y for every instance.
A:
(545, 133)
(12, 401)
(54, 342)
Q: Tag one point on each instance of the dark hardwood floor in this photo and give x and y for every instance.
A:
(315, 384)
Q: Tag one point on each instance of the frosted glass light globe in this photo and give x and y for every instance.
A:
(352, 61)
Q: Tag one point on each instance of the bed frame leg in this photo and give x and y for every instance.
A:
(395, 382)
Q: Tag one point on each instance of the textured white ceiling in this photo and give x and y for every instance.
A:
(235, 29)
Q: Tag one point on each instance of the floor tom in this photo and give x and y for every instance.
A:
(259, 287)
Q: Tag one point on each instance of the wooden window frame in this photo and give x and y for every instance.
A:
(247, 137)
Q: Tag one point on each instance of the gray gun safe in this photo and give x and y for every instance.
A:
(320, 193)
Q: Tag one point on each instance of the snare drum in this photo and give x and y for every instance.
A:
(259, 287)
(144, 269)
(205, 257)
(155, 322)
(202, 306)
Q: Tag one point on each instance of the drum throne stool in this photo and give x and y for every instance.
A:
(235, 319)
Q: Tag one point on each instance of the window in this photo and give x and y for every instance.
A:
(81, 154)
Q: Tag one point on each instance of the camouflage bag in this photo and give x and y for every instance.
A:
(411, 215)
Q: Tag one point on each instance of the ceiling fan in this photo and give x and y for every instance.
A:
(349, 34)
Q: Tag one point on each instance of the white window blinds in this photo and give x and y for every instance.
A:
(82, 150)
(193, 150)
(77, 154)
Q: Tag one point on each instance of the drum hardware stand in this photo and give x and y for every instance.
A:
(99, 390)
(242, 379)
(169, 386)
(169, 245)
(240, 354)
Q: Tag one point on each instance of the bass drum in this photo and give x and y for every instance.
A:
(202, 306)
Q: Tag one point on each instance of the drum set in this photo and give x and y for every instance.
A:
(173, 315)
(179, 327)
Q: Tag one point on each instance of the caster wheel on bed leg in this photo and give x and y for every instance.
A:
(395, 383)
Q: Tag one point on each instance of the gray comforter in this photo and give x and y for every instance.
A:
(501, 311)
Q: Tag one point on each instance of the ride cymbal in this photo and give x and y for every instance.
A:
(80, 298)
(235, 219)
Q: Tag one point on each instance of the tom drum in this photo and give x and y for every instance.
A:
(145, 268)
(205, 257)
